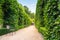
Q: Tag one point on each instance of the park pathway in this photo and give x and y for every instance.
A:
(28, 33)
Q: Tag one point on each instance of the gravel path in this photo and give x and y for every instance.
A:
(29, 33)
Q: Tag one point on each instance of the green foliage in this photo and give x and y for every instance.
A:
(12, 15)
(27, 10)
(4, 31)
(1, 13)
(10, 8)
(24, 19)
(27, 20)
(31, 15)
(47, 19)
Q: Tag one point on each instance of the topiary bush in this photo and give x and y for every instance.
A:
(47, 19)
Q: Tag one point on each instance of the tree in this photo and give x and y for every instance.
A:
(27, 10)
(31, 15)
(47, 19)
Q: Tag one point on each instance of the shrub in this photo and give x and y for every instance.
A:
(4, 31)
(13, 15)
(10, 8)
(1, 13)
(47, 19)
(24, 19)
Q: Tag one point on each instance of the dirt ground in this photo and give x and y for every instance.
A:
(29, 33)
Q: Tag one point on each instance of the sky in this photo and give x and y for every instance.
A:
(31, 4)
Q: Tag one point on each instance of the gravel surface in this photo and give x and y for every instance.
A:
(29, 33)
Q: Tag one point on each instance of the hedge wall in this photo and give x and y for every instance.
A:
(12, 15)
(1, 13)
(24, 19)
(10, 9)
(47, 19)
(4, 31)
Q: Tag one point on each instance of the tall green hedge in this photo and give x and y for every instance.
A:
(12, 14)
(24, 19)
(27, 18)
(47, 19)
(1, 13)
(10, 8)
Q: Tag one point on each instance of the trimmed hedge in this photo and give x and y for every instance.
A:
(10, 9)
(13, 16)
(24, 19)
(4, 31)
(47, 19)
(1, 13)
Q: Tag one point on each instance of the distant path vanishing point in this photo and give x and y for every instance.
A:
(28, 33)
